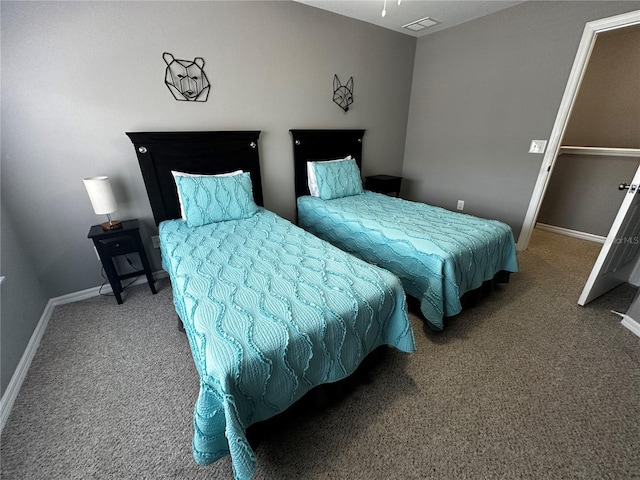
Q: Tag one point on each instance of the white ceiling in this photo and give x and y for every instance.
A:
(448, 13)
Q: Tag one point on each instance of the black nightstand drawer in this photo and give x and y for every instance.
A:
(118, 246)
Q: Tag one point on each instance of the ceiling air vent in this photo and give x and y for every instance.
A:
(421, 24)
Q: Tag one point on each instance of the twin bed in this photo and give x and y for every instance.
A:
(272, 310)
(438, 255)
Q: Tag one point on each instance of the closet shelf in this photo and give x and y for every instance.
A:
(607, 151)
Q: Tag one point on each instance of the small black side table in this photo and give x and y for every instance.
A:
(113, 243)
(383, 184)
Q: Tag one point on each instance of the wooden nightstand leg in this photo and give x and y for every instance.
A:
(152, 285)
(112, 276)
(149, 275)
(146, 266)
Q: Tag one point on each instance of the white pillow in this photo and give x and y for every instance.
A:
(184, 174)
(312, 180)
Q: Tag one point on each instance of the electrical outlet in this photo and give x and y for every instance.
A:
(155, 240)
(460, 204)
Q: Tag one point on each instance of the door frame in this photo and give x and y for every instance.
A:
(580, 63)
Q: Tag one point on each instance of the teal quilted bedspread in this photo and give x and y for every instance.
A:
(437, 254)
(271, 311)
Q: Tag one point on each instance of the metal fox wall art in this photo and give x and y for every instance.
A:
(343, 94)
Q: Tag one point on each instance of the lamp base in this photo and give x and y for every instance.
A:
(114, 225)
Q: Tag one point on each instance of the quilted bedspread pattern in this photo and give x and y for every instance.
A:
(437, 254)
(271, 311)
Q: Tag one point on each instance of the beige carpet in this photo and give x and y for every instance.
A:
(524, 385)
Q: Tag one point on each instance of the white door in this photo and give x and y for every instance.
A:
(619, 254)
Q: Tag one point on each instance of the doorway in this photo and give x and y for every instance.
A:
(600, 147)
(585, 49)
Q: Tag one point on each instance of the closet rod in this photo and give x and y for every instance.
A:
(605, 151)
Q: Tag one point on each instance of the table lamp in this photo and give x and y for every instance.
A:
(102, 200)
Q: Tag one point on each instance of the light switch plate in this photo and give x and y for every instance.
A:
(538, 146)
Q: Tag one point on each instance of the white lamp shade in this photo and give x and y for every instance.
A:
(101, 195)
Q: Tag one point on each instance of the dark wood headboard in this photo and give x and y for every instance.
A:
(317, 145)
(205, 153)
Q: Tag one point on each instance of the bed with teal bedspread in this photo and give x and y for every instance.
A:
(438, 255)
(270, 312)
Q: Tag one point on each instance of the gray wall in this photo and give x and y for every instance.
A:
(23, 298)
(96, 71)
(77, 75)
(481, 92)
(582, 194)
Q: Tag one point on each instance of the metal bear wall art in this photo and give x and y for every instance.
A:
(186, 79)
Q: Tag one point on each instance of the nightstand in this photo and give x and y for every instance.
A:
(383, 184)
(113, 243)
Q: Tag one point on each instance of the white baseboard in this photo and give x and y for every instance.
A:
(95, 291)
(572, 233)
(11, 393)
(631, 324)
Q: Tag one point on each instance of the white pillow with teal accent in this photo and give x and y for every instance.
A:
(337, 179)
(184, 174)
(311, 175)
(211, 198)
